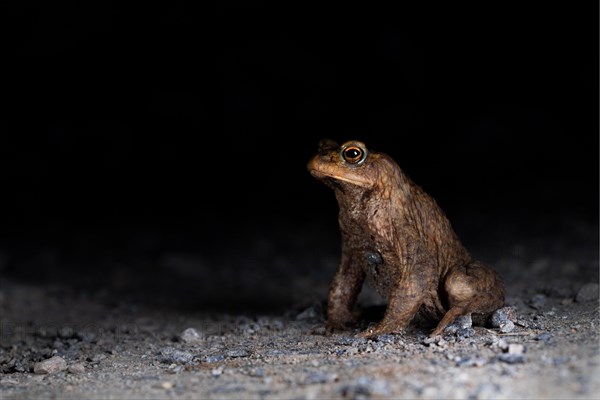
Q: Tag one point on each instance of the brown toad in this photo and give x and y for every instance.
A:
(396, 236)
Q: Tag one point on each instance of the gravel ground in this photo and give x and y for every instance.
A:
(187, 331)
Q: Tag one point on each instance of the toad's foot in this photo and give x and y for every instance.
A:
(381, 329)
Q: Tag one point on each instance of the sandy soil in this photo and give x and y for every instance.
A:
(196, 325)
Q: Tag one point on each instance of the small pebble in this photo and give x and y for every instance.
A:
(538, 301)
(191, 336)
(318, 330)
(544, 337)
(167, 385)
(172, 355)
(512, 358)
(436, 340)
(96, 358)
(386, 338)
(50, 366)
(502, 344)
(460, 323)
(522, 323)
(507, 327)
(464, 333)
(588, 292)
(515, 348)
(502, 315)
(77, 368)
(217, 371)
(213, 359)
(237, 353)
(175, 369)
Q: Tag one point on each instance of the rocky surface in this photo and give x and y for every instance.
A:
(106, 343)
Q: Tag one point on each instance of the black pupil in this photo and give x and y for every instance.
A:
(353, 154)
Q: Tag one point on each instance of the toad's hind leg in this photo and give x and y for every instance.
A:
(473, 288)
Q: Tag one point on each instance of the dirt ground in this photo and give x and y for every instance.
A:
(248, 323)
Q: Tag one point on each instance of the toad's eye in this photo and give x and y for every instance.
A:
(353, 154)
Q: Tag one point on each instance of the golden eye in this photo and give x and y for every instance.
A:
(353, 154)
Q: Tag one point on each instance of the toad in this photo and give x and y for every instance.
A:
(395, 236)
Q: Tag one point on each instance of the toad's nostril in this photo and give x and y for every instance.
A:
(326, 145)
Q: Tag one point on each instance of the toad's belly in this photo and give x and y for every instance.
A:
(383, 286)
(431, 308)
(381, 276)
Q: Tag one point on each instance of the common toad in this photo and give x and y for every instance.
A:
(396, 236)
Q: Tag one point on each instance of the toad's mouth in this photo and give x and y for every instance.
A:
(324, 176)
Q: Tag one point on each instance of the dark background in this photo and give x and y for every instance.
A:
(192, 125)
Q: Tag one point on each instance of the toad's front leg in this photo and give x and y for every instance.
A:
(404, 302)
(343, 292)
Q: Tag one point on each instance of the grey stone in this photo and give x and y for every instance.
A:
(460, 323)
(96, 358)
(319, 330)
(512, 358)
(77, 368)
(503, 315)
(387, 338)
(213, 359)
(218, 371)
(507, 327)
(515, 348)
(238, 353)
(50, 366)
(191, 336)
(538, 301)
(175, 356)
(588, 292)
(464, 333)
(433, 341)
(544, 337)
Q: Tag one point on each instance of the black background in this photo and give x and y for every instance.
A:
(198, 121)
